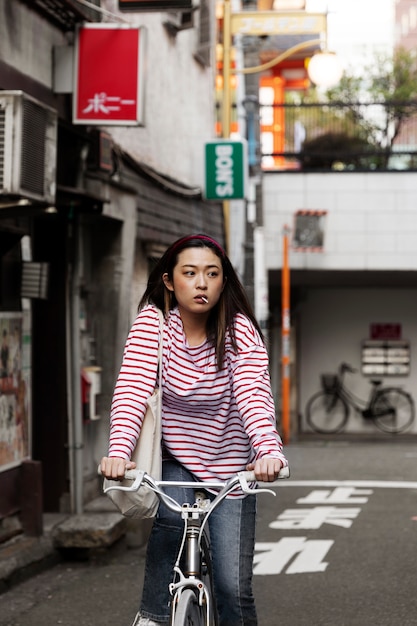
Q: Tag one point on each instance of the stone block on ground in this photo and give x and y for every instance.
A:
(89, 531)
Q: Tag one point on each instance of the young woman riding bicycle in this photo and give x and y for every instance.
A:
(218, 415)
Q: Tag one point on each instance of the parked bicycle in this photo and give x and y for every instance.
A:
(192, 596)
(390, 408)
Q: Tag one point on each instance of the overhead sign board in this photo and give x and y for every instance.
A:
(277, 23)
(155, 5)
(109, 75)
(281, 5)
(226, 169)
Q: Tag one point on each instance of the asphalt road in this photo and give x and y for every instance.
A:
(336, 547)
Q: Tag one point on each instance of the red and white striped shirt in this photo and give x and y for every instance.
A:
(213, 422)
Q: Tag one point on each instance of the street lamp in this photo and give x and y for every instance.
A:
(324, 69)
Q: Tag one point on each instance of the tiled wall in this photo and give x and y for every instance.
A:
(371, 221)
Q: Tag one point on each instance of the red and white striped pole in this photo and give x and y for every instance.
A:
(285, 349)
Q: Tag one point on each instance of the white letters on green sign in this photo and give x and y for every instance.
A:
(224, 170)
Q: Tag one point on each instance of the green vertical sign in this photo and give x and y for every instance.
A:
(226, 168)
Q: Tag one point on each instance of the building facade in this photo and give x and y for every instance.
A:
(92, 208)
(353, 275)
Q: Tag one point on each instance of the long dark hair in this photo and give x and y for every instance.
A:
(233, 299)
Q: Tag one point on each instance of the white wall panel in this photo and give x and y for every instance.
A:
(369, 224)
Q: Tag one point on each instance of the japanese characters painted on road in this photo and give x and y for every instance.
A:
(109, 75)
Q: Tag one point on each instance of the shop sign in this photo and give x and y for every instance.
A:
(263, 23)
(226, 169)
(109, 75)
(385, 331)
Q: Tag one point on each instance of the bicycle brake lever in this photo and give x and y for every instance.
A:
(245, 487)
(135, 485)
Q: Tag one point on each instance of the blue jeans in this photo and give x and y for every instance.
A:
(232, 539)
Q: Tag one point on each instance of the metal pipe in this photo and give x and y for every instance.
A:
(69, 357)
(285, 353)
(226, 104)
(74, 348)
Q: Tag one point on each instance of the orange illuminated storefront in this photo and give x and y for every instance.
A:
(274, 83)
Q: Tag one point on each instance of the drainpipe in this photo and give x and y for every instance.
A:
(68, 352)
(75, 427)
(260, 280)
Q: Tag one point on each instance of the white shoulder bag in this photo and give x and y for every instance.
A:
(147, 454)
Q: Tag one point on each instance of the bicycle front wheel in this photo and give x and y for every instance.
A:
(326, 413)
(188, 612)
(393, 410)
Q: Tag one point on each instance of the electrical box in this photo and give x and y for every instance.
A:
(388, 357)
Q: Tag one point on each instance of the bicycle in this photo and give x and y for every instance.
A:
(192, 596)
(327, 411)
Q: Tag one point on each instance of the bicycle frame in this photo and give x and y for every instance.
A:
(195, 517)
(350, 398)
(195, 556)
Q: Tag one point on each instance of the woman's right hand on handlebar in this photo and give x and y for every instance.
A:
(114, 468)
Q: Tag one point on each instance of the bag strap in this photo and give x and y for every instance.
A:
(160, 351)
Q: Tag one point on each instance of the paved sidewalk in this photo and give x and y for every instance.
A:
(98, 528)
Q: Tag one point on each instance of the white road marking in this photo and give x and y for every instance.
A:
(299, 553)
(296, 555)
(339, 495)
(370, 484)
(311, 519)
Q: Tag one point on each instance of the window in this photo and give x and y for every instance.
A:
(309, 230)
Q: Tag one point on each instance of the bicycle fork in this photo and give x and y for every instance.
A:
(191, 578)
(201, 591)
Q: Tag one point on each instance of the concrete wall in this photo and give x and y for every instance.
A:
(26, 41)
(332, 323)
(371, 226)
(179, 108)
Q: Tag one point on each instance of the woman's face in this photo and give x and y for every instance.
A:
(197, 280)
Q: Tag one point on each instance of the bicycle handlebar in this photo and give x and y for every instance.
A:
(241, 479)
(246, 475)
(345, 367)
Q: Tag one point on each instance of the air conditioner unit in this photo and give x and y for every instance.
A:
(179, 20)
(28, 142)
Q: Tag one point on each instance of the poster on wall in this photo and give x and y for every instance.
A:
(14, 391)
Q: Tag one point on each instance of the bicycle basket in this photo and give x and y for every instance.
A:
(329, 382)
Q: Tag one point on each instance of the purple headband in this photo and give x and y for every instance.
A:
(201, 238)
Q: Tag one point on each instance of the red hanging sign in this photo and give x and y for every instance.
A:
(109, 75)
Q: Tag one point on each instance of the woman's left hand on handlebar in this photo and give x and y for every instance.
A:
(266, 469)
(114, 468)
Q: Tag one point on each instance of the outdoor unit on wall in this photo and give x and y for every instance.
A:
(179, 20)
(28, 139)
